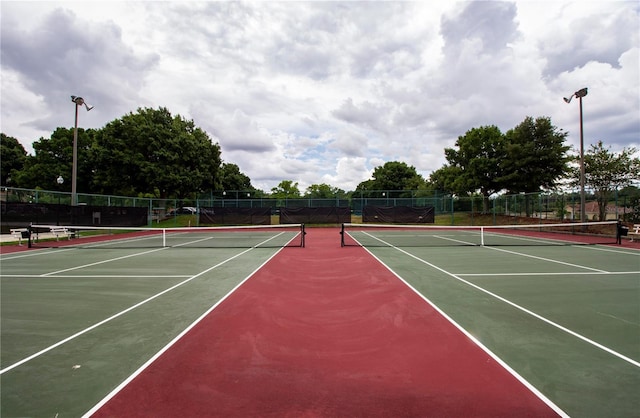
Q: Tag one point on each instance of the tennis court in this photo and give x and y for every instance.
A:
(324, 327)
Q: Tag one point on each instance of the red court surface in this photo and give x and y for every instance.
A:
(324, 331)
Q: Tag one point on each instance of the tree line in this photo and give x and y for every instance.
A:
(152, 153)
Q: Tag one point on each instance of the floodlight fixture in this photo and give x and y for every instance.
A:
(79, 101)
(579, 94)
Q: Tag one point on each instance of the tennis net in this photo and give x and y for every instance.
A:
(288, 235)
(377, 235)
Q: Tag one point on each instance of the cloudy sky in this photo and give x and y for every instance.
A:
(324, 92)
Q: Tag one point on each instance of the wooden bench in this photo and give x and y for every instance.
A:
(634, 232)
(20, 233)
(57, 231)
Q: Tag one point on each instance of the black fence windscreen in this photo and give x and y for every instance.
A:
(399, 214)
(235, 216)
(315, 215)
(17, 214)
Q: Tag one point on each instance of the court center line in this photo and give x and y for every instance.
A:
(545, 259)
(119, 314)
(103, 262)
(524, 255)
(521, 308)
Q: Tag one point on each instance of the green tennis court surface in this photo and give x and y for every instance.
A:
(77, 323)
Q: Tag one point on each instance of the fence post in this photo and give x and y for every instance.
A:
(453, 220)
(493, 209)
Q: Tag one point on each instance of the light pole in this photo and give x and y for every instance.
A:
(60, 180)
(580, 94)
(79, 101)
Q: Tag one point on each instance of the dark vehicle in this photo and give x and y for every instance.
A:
(185, 210)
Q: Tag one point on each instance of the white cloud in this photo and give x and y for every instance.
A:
(323, 92)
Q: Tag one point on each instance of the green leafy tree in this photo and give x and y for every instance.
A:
(364, 186)
(606, 171)
(12, 157)
(287, 189)
(393, 176)
(324, 191)
(444, 180)
(629, 197)
(628, 193)
(231, 178)
(152, 151)
(536, 158)
(475, 166)
(53, 157)
(528, 158)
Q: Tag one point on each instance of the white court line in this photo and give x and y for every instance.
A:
(455, 240)
(626, 251)
(102, 262)
(128, 380)
(523, 309)
(477, 342)
(573, 273)
(104, 321)
(98, 276)
(33, 253)
(546, 259)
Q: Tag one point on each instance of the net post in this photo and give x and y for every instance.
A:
(29, 243)
(342, 235)
(164, 237)
(303, 232)
(482, 236)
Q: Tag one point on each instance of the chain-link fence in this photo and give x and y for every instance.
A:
(543, 206)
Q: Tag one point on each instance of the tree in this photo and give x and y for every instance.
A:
(12, 157)
(153, 152)
(629, 197)
(287, 189)
(536, 156)
(324, 191)
(628, 193)
(231, 178)
(476, 166)
(53, 157)
(528, 158)
(444, 180)
(606, 172)
(393, 175)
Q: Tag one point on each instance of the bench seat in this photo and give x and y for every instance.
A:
(20, 233)
(634, 232)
